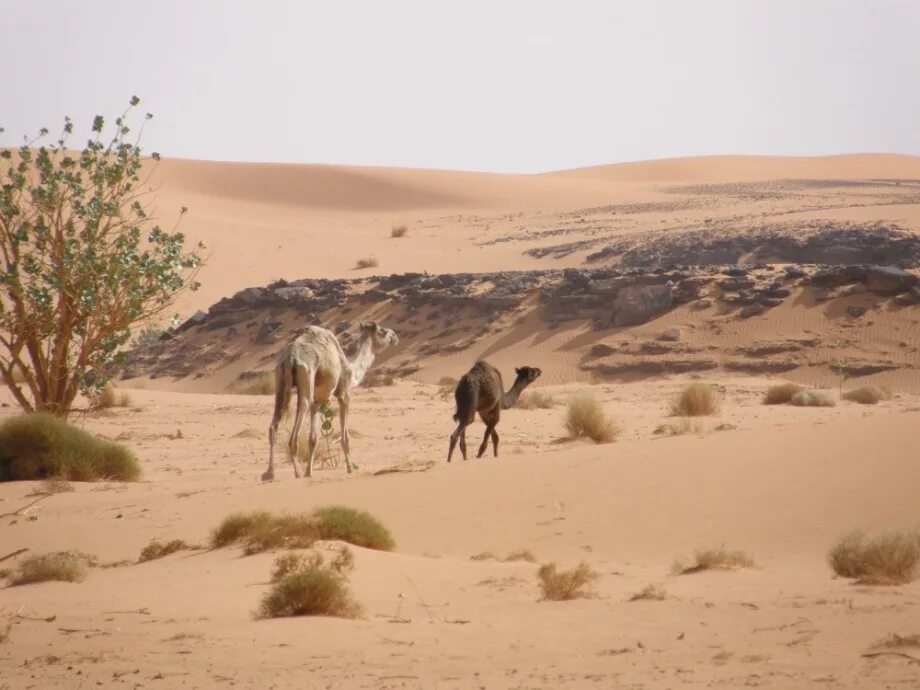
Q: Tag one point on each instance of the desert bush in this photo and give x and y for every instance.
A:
(895, 641)
(714, 559)
(520, 555)
(867, 395)
(684, 426)
(368, 262)
(344, 561)
(650, 593)
(446, 387)
(399, 231)
(564, 585)
(41, 446)
(5, 573)
(289, 563)
(585, 418)
(261, 531)
(887, 559)
(110, 396)
(63, 566)
(156, 549)
(781, 393)
(84, 260)
(354, 526)
(695, 400)
(811, 397)
(310, 590)
(376, 379)
(532, 400)
(149, 335)
(253, 383)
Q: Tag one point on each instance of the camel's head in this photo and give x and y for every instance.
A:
(529, 374)
(381, 338)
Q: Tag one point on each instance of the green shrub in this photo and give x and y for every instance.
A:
(40, 446)
(309, 591)
(354, 526)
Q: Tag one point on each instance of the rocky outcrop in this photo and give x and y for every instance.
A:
(640, 303)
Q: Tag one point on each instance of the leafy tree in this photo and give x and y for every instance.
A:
(81, 261)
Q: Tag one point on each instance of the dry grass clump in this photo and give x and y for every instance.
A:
(891, 558)
(156, 549)
(110, 396)
(714, 559)
(565, 585)
(368, 262)
(261, 531)
(780, 394)
(5, 573)
(520, 555)
(303, 586)
(585, 418)
(650, 593)
(867, 395)
(895, 641)
(42, 446)
(399, 231)
(446, 386)
(376, 379)
(253, 383)
(695, 400)
(62, 566)
(812, 397)
(535, 400)
(684, 426)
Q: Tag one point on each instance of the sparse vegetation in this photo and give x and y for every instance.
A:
(695, 400)
(368, 262)
(780, 394)
(261, 531)
(684, 426)
(891, 558)
(895, 641)
(867, 395)
(535, 400)
(376, 379)
(5, 573)
(812, 397)
(110, 396)
(650, 593)
(149, 335)
(585, 418)
(399, 231)
(253, 383)
(41, 446)
(303, 586)
(156, 549)
(714, 559)
(520, 555)
(63, 566)
(565, 585)
(446, 387)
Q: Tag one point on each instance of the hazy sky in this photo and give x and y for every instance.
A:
(518, 86)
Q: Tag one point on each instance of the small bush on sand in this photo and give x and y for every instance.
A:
(399, 231)
(261, 531)
(521, 555)
(867, 395)
(684, 426)
(109, 397)
(310, 590)
(695, 400)
(780, 394)
(535, 400)
(811, 397)
(585, 418)
(41, 446)
(887, 559)
(289, 563)
(156, 549)
(5, 573)
(895, 641)
(564, 585)
(714, 559)
(253, 383)
(354, 526)
(63, 566)
(446, 387)
(369, 262)
(650, 593)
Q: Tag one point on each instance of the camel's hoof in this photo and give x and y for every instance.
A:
(268, 475)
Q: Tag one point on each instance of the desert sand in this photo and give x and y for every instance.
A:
(782, 483)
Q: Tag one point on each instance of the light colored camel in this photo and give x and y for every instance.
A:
(315, 365)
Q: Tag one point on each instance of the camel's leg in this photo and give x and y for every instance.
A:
(453, 439)
(490, 419)
(343, 423)
(495, 441)
(314, 437)
(283, 382)
(485, 441)
(295, 432)
(463, 441)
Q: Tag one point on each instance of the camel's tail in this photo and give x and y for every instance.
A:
(284, 379)
(466, 397)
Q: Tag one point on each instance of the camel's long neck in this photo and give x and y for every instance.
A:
(511, 397)
(360, 363)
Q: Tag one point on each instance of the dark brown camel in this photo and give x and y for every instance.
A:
(480, 390)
